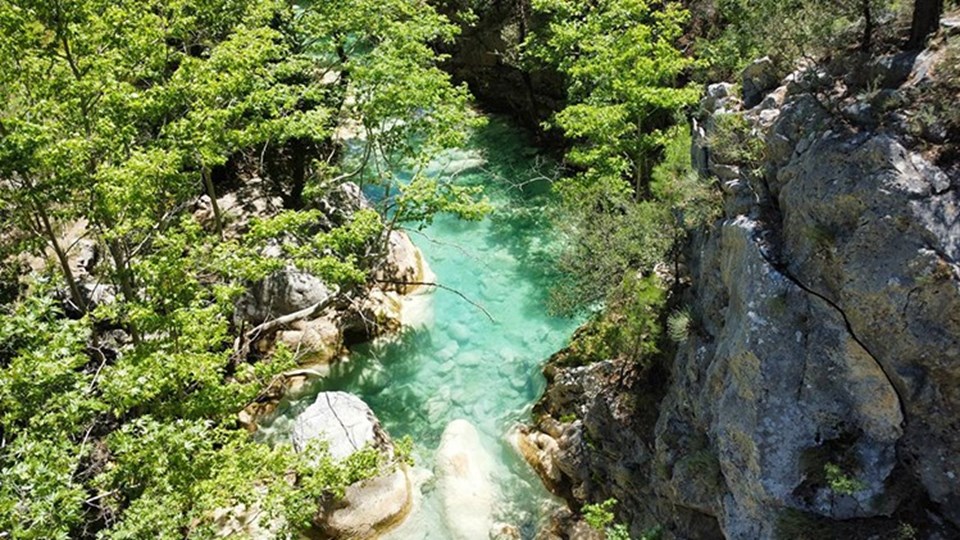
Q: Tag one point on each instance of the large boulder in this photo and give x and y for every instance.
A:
(463, 470)
(404, 269)
(347, 424)
(341, 419)
(757, 79)
(281, 293)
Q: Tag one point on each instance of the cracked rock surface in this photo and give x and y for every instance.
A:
(821, 378)
(829, 300)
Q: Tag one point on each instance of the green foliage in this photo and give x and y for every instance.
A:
(733, 141)
(934, 113)
(785, 31)
(339, 256)
(695, 201)
(608, 237)
(624, 70)
(116, 114)
(629, 325)
(425, 197)
(841, 482)
(906, 531)
(599, 516)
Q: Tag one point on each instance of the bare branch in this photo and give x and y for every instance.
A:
(440, 286)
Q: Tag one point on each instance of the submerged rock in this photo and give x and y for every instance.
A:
(463, 470)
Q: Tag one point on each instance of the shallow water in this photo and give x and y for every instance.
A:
(460, 363)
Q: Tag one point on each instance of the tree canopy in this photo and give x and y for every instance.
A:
(118, 417)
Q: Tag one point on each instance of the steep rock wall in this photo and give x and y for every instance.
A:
(819, 389)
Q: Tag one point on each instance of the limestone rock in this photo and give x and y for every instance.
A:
(348, 425)
(540, 451)
(505, 531)
(404, 268)
(826, 306)
(757, 78)
(370, 507)
(341, 419)
(463, 471)
(315, 341)
(281, 293)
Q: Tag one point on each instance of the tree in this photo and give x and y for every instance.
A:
(119, 113)
(926, 20)
(624, 70)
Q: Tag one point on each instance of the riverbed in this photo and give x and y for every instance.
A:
(478, 345)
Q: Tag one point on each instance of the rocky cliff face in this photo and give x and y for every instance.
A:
(486, 56)
(818, 392)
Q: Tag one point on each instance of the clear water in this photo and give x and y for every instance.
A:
(460, 363)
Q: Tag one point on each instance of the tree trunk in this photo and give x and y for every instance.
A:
(127, 286)
(298, 173)
(75, 295)
(208, 186)
(926, 19)
(867, 41)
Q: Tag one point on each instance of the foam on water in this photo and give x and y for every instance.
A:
(459, 364)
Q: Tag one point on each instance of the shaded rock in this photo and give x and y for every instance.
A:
(347, 424)
(315, 341)
(281, 293)
(250, 200)
(379, 312)
(486, 55)
(463, 471)
(342, 203)
(758, 78)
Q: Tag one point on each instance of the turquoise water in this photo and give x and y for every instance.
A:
(460, 363)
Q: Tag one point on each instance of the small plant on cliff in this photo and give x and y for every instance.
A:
(630, 325)
(601, 518)
(841, 482)
(678, 325)
(733, 142)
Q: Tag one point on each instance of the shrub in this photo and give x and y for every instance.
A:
(678, 326)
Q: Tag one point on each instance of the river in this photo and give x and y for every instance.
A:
(461, 363)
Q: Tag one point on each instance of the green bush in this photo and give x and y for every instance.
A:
(733, 141)
(841, 482)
